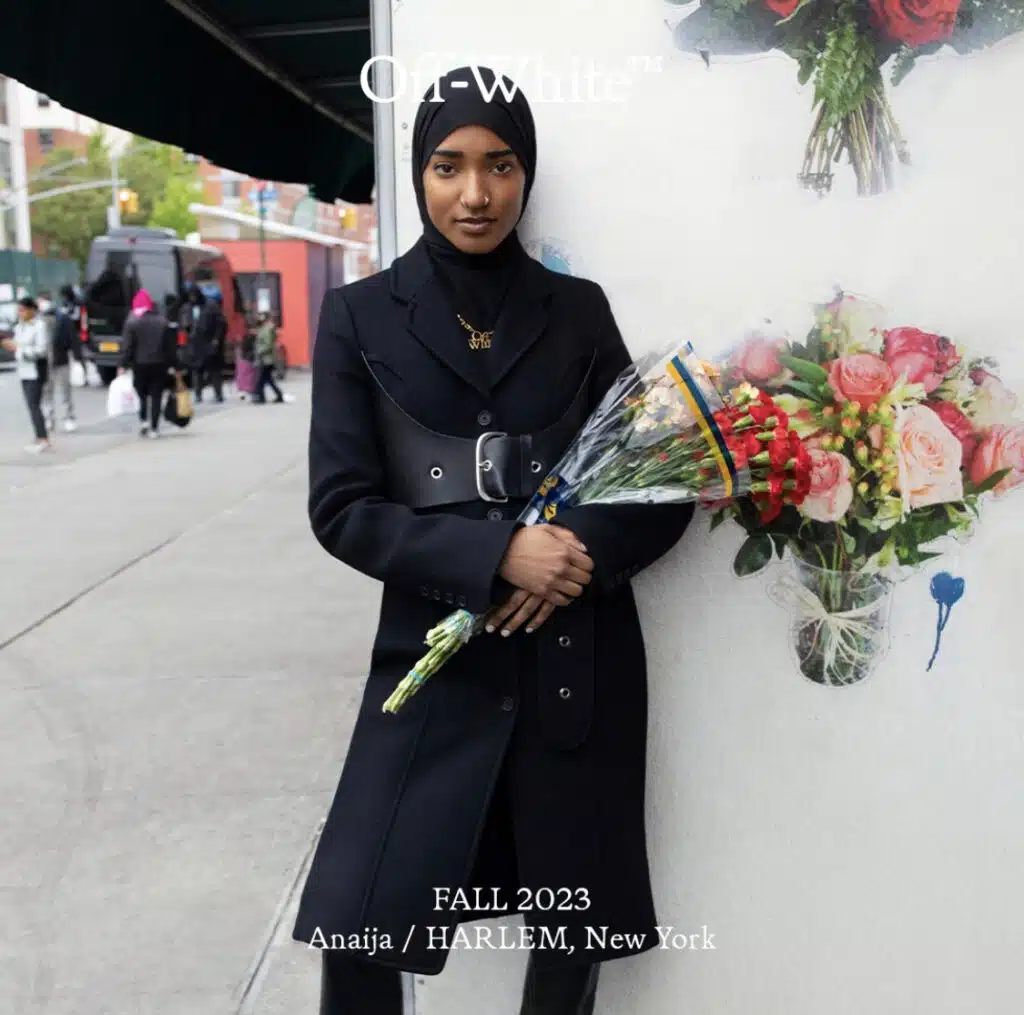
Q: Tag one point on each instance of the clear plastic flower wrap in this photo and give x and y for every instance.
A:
(663, 433)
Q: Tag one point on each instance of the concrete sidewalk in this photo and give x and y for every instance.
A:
(179, 668)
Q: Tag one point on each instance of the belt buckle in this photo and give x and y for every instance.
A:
(484, 465)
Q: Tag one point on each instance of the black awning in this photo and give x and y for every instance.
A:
(269, 88)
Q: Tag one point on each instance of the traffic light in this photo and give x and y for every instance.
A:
(128, 201)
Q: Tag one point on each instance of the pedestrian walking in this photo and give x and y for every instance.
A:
(149, 350)
(264, 355)
(444, 389)
(30, 345)
(64, 346)
(208, 337)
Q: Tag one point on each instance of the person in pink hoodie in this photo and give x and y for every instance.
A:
(149, 350)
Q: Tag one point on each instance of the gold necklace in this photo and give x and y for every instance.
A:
(477, 339)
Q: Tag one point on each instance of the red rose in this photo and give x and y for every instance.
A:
(958, 425)
(782, 7)
(920, 357)
(915, 22)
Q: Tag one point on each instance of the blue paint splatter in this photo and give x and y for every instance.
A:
(551, 259)
(947, 592)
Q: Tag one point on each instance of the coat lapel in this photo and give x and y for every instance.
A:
(522, 320)
(432, 322)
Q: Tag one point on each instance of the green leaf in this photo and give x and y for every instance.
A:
(716, 519)
(991, 483)
(753, 555)
(805, 370)
(812, 391)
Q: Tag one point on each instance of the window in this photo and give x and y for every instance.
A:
(45, 140)
(231, 188)
(42, 101)
(261, 292)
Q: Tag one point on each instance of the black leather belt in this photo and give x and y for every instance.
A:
(426, 469)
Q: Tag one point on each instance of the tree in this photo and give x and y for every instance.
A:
(171, 210)
(148, 168)
(67, 223)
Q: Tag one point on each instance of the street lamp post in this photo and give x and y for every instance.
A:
(114, 212)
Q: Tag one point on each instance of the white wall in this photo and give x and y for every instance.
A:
(852, 850)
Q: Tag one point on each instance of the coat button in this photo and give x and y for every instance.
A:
(424, 591)
(462, 600)
(494, 515)
(565, 641)
(484, 418)
(564, 692)
(437, 594)
(449, 598)
(507, 704)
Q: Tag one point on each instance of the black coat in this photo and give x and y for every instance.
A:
(147, 340)
(417, 788)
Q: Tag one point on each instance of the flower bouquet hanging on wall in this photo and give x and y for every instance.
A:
(841, 48)
(906, 434)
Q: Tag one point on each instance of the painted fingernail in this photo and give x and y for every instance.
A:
(529, 630)
(490, 629)
(505, 634)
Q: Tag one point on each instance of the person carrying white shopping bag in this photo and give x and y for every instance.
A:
(149, 351)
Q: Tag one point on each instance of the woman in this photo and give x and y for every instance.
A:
(263, 354)
(519, 769)
(149, 350)
(30, 345)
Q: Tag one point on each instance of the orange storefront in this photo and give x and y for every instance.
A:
(304, 271)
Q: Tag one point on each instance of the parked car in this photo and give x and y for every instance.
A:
(8, 318)
(133, 258)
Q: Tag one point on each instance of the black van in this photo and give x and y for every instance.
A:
(133, 258)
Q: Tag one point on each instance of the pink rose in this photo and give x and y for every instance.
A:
(863, 378)
(831, 491)
(958, 425)
(993, 401)
(929, 457)
(920, 357)
(757, 359)
(1002, 448)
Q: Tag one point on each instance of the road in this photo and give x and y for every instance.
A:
(179, 670)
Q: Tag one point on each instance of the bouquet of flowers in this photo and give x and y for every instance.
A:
(663, 433)
(841, 46)
(906, 433)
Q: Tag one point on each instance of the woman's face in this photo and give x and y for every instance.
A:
(474, 189)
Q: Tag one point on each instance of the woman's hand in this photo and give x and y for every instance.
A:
(549, 562)
(520, 607)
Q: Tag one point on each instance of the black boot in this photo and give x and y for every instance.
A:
(566, 990)
(349, 986)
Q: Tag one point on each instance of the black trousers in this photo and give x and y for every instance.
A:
(150, 382)
(33, 391)
(210, 371)
(265, 380)
(350, 986)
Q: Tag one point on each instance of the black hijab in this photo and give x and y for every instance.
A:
(475, 283)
